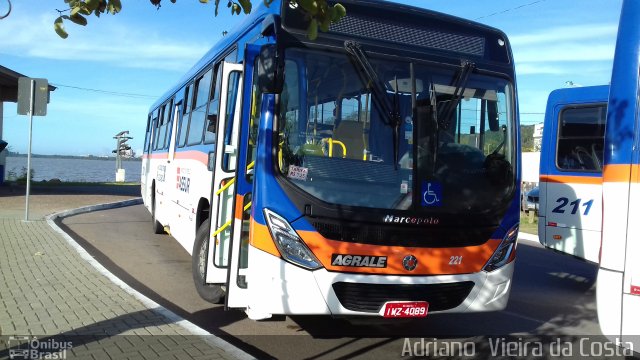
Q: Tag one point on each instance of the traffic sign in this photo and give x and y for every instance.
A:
(36, 92)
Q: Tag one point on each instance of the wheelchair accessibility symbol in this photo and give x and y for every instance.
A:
(431, 193)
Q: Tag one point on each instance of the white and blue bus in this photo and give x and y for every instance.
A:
(618, 285)
(571, 162)
(374, 171)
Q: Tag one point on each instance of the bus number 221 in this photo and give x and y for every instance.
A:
(574, 205)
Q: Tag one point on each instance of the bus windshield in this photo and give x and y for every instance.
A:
(399, 140)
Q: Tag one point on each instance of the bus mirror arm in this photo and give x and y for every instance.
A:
(270, 25)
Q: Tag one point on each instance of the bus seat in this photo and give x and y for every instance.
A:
(312, 149)
(350, 134)
(597, 152)
(584, 158)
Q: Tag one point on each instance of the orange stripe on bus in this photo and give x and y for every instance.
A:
(617, 173)
(567, 179)
(260, 238)
(239, 207)
(431, 261)
(635, 173)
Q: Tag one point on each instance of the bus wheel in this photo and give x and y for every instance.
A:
(157, 226)
(209, 292)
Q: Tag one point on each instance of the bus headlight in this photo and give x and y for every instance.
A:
(504, 254)
(290, 245)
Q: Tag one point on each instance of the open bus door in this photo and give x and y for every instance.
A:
(224, 175)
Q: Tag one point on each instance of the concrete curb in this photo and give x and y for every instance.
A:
(528, 237)
(150, 304)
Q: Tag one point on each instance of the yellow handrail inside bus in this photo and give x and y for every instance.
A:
(228, 223)
(331, 142)
(226, 186)
(221, 229)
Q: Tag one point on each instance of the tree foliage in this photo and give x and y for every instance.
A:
(526, 136)
(319, 13)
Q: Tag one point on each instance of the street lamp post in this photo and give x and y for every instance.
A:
(121, 150)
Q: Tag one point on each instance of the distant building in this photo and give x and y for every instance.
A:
(537, 136)
(530, 170)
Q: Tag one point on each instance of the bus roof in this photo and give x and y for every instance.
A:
(577, 95)
(261, 11)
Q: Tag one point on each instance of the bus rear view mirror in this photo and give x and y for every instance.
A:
(270, 69)
(492, 114)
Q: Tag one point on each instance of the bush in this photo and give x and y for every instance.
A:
(22, 179)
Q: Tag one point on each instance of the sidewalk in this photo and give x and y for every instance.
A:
(49, 291)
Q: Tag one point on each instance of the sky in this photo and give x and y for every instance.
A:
(110, 72)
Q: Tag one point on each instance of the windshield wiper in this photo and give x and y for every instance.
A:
(432, 131)
(379, 91)
(460, 86)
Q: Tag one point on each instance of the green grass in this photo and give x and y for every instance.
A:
(526, 226)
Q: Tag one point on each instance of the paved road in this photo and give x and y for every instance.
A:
(552, 295)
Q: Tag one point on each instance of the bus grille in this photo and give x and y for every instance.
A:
(371, 297)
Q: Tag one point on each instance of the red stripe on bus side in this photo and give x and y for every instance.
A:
(198, 156)
(155, 156)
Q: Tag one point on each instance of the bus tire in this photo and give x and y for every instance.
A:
(209, 292)
(157, 226)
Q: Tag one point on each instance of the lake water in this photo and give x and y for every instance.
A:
(80, 170)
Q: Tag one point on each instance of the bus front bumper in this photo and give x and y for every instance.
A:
(279, 287)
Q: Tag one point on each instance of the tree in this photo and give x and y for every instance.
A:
(526, 136)
(319, 12)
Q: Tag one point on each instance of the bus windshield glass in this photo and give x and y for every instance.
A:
(411, 137)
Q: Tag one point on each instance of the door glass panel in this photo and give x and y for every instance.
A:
(228, 159)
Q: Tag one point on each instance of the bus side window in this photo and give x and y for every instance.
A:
(161, 128)
(232, 96)
(147, 138)
(201, 95)
(581, 138)
(167, 124)
(254, 119)
(184, 122)
(212, 111)
(155, 124)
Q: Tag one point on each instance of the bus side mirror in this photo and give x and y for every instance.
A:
(492, 113)
(3, 144)
(270, 69)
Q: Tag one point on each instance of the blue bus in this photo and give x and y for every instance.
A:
(374, 171)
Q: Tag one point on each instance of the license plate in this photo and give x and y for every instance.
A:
(405, 309)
